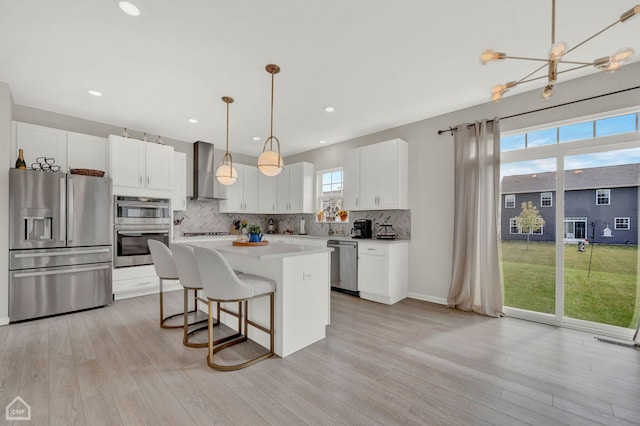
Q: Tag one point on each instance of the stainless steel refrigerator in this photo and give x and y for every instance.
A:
(60, 243)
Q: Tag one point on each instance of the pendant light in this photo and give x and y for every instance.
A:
(226, 173)
(270, 162)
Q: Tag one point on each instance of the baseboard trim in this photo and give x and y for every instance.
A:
(427, 298)
(4, 321)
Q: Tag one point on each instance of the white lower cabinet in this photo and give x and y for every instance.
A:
(138, 281)
(383, 271)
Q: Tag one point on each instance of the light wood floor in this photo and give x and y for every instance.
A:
(411, 363)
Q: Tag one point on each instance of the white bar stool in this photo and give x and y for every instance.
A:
(166, 270)
(222, 284)
(189, 277)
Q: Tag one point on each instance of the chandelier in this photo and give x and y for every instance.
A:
(557, 51)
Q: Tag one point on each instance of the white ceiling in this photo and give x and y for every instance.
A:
(380, 63)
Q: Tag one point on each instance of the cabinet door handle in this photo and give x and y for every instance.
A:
(356, 201)
(140, 179)
(148, 181)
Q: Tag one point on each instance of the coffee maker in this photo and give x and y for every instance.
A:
(362, 229)
(272, 227)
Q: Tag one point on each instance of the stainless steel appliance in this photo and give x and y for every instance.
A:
(142, 211)
(362, 228)
(137, 220)
(271, 229)
(59, 243)
(344, 266)
(204, 233)
(205, 184)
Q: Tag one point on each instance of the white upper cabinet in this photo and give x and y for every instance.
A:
(159, 162)
(381, 172)
(70, 150)
(242, 196)
(351, 179)
(295, 188)
(267, 194)
(38, 141)
(179, 193)
(140, 168)
(87, 152)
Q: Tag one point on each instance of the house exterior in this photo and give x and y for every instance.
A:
(601, 204)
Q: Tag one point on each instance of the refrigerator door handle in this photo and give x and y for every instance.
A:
(61, 271)
(63, 208)
(70, 223)
(60, 253)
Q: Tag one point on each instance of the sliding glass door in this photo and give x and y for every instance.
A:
(570, 225)
(601, 251)
(528, 235)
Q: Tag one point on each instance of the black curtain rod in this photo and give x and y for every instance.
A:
(452, 129)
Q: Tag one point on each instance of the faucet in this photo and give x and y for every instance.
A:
(330, 231)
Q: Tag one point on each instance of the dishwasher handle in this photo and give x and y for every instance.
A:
(338, 243)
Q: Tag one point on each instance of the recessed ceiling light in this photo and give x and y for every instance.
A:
(192, 120)
(129, 8)
(256, 138)
(322, 141)
(329, 109)
(94, 93)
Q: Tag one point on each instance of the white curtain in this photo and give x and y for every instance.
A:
(476, 284)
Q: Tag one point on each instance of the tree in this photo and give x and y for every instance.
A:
(529, 220)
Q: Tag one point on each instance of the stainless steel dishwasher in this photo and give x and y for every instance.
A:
(344, 266)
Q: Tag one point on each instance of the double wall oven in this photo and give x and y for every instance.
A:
(137, 220)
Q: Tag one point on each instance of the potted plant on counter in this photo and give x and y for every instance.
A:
(255, 233)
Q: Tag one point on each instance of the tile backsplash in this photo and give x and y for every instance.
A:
(205, 216)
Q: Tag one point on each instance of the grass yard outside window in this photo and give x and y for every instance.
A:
(608, 295)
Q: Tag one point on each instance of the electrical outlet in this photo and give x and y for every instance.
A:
(306, 275)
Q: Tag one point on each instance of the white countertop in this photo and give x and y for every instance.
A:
(269, 237)
(270, 251)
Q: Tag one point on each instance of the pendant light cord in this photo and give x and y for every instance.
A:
(227, 128)
(272, 90)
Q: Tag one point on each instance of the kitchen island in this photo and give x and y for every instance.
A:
(301, 274)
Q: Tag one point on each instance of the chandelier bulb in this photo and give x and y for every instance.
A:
(547, 92)
(489, 56)
(558, 50)
(634, 11)
(622, 55)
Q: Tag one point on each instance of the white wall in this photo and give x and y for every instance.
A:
(431, 174)
(6, 106)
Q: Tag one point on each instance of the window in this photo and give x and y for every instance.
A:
(622, 223)
(509, 201)
(330, 186)
(603, 197)
(513, 226)
(546, 199)
(583, 131)
(515, 229)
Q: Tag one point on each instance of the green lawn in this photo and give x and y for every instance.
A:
(610, 295)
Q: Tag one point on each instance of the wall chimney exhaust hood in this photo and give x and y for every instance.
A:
(205, 184)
